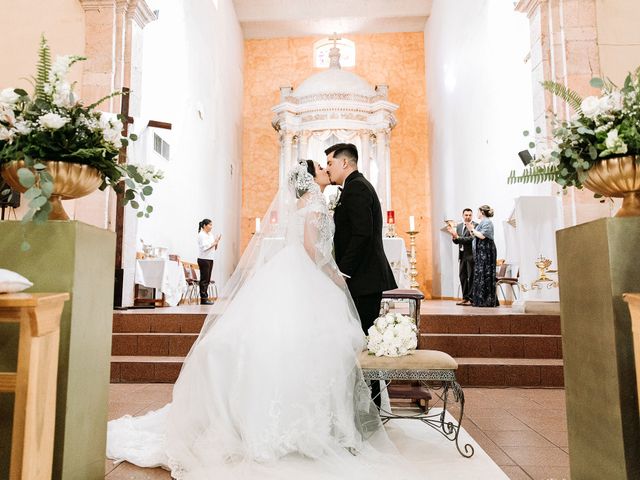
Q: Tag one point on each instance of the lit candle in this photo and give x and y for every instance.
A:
(412, 223)
(391, 217)
(274, 217)
(257, 225)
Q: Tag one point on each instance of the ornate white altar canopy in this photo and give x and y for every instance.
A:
(337, 106)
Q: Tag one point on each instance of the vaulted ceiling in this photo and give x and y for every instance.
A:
(296, 18)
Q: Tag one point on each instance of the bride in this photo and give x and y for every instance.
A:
(272, 387)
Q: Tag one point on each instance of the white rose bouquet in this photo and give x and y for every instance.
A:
(392, 335)
(52, 124)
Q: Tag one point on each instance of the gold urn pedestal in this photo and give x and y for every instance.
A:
(618, 177)
(70, 180)
(597, 264)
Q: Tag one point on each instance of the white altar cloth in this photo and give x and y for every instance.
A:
(164, 275)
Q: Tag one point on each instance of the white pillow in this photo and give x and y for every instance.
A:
(11, 282)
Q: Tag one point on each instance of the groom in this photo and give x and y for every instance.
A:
(358, 237)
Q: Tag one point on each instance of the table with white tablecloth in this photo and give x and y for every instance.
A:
(396, 252)
(166, 276)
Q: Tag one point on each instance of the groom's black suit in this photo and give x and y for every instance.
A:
(359, 253)
(358, 247)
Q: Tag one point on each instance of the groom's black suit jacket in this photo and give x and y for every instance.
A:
(358, 238)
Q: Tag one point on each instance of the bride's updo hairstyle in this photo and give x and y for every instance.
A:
(486, 210)
(301, 177)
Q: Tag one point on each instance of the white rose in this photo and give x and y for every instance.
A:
(615, 143)
(23, 127)
(615, 101)
(8, 96)
(53, 121)
(590, 107)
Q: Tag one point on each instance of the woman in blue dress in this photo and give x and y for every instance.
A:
(483, 293)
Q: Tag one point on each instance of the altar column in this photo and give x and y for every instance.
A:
(286, 144)
(303, 144)
(364, 153)
(381, 182)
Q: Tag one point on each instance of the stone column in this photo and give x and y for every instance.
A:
(286, 141)
(382, 154)
(365, 152)
(303, 143)
(564, 49)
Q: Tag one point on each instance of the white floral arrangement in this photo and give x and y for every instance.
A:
(392, 335)
(53, 124)
(601, 127)
(334, 201)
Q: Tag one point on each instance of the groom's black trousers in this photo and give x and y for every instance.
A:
(368, 307)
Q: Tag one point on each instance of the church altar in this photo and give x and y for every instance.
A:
(337, 106)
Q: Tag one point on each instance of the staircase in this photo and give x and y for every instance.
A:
(497, 349)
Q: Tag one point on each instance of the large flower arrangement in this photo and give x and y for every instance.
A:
(53, 124)
(603, 127)
(392, 335)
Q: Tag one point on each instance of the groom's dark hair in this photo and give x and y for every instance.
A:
(347, 150)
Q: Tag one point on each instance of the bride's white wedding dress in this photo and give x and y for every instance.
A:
(272, 388)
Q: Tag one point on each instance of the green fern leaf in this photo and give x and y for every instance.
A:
(44, 66)
(548, 173)
(565, 93)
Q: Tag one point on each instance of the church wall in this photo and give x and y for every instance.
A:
(618, 37)
(192, 77)
(479, 103)
(22, 22)
(396, 59)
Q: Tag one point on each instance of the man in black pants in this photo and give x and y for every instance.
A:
(463, 238)
(358, 238)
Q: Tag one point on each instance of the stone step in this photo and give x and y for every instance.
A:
(494, 345)
(145, 369)
(510, 372)
(519, 324)
(134, 322)
(477, 372)
(152, 344)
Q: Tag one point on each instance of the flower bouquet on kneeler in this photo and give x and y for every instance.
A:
(395, 335)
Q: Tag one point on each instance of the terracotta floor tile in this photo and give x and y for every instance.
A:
(548, 473)
(518, 438)
(515, 473)
(500, 424)
(538, 456)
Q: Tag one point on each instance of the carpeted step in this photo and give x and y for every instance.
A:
(151, 344)
(510, 372)
(145, 369)
(531, 324)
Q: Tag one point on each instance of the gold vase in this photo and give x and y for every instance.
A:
(70, 180)
(617, 177)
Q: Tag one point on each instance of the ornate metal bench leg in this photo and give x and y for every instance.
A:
(458, 394)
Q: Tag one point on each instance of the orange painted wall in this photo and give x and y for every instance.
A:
(395, 59)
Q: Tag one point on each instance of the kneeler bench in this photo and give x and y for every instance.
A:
(434, 370)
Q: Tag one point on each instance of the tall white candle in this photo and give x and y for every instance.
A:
(412, 223)
(257, 225)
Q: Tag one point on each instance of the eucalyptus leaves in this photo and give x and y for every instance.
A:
(53, 125)
(603, 127)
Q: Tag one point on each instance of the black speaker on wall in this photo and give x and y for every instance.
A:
(8, 197)
(525, 157)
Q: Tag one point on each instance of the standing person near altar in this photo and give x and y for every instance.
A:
(207, 246)
(483, 293)
(462, 237)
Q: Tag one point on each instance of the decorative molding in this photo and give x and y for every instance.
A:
(141, 13)
(528, 6)
(96, 5)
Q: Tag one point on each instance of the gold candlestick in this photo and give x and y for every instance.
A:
(413, 271)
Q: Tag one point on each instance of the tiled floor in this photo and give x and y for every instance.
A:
(523, 430)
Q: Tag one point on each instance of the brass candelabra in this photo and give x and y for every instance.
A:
(413, 271)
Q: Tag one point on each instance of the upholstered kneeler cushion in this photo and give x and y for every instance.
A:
(416, 360)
